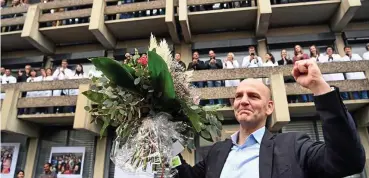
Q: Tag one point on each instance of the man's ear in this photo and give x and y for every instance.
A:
(270, 107)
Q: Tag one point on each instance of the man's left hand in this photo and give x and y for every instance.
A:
(308, 75)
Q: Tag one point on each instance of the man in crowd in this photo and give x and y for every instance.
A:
(214, 63)
(254, 152)
(354, 75)
(47, 172)
(196, 64)
(252, 60)
(62, 73)
(177, 57)
(8, 78)
(22, 77)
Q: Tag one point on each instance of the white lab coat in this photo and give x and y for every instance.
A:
(5, 80)
(269, 64)
(76, 76)
(230, 65)
(58, 75)
(333, 76)
(366, 55)
(31, 94)
(254, 63)
(46, 92)
(354, 75)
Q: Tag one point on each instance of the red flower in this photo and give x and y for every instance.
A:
(143, 60)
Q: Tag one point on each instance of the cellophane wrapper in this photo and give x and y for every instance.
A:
(150, 146)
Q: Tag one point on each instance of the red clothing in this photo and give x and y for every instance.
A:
(304, 56)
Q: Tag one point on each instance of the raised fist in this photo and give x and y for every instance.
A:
(308, 75)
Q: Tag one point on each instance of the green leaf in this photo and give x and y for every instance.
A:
(103, 128)
(220, 116)
(115, 72)
(193, 116)
(160, 77)
(95, 96)
(206, 135)
(87, 108)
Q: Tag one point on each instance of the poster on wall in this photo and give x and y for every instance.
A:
(9, 157)
(67, 162)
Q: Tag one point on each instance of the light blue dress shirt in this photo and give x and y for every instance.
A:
(243, 160)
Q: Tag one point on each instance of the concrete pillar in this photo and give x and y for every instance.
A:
(110, 53)
(82, 118)
(364, 138)
(340, 44)
(9, 116)
(281, 114)
(262, 48)
(263, 16)
(100, 156)
(29, 170)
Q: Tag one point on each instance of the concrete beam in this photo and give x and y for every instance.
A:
(97, 25)
(32, 34)
(183, 21)
(9, 120)
(281, 114)
(170, 21)
(340, 44)
(29, 170)
(82, 118)
(262, 20)
(344, 14)
(262, 48)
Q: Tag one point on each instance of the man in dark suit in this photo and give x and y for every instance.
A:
(254, 152)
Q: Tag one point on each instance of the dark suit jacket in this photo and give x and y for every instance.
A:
(295, 155)
(218, 64)
(281, 62)
(199, 66)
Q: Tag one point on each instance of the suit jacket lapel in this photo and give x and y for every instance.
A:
(222, 152)
(266, 155)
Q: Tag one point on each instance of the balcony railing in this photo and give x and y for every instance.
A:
(12, 19)
(280, 90)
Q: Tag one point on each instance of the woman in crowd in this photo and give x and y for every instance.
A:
(46, 75)
(33, 78)
(314, 53)
(285, 59)
(79, 74)
(269, 60)
(299, 54)
(230, 63)
(20, 174)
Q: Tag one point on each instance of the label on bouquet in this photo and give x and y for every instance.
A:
(176, 161)
(177, 148)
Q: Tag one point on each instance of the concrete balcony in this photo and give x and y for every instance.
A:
(95, 28)
(28, 124)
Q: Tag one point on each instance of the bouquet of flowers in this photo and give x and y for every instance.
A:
(152, 106)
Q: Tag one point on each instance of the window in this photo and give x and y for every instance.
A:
(58, 137)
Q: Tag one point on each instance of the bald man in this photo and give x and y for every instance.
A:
(254, 152)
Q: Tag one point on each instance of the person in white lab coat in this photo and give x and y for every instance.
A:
(354, 75)
(314, 53)
(366, 54)
(6, 79)
(252, 60)
(30, 94)
(62, 73)
(331, 57)
(77, 75)
(230, 63)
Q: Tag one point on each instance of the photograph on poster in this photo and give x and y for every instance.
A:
(9, 156)
(67, 161)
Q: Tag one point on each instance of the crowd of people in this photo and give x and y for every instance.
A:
(32, 75)
(253, 60)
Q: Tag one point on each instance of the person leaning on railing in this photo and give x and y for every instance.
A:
(211, 64)
(231, 63)
(300, 55)
(354, 75)
(286, 60)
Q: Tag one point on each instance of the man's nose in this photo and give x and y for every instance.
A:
(245, 100)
